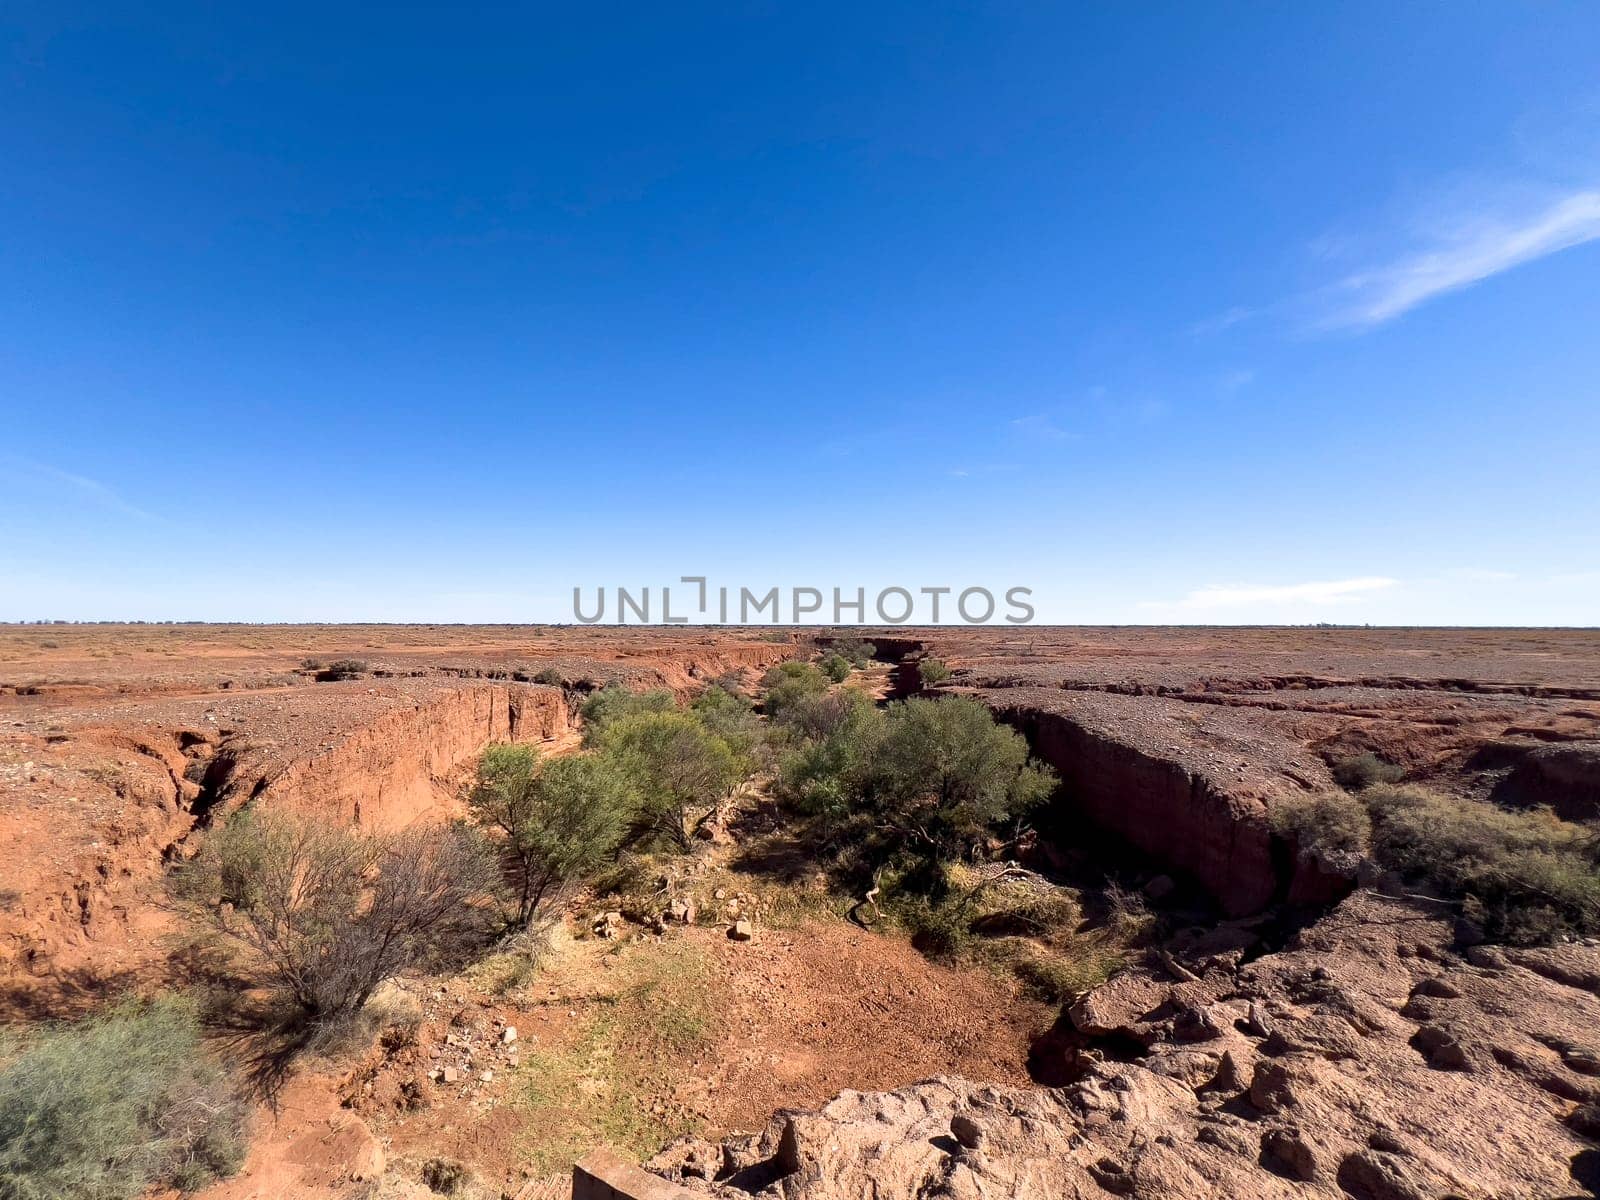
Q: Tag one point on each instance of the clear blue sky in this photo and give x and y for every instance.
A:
(1172, 312)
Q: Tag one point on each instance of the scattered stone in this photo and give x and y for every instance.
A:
(1585, 1119)
(1196, 1024)
(1230, 1076)
(1287, 1152)
(508, 1035)
(1271, 1088)
(1258, 1024)
(966, 1130)
(1374, 1175)
(1160, 887)
(1437, 986)
(1582, 1059)
(1387, 1140)
(1441, 1048)
(741, 931)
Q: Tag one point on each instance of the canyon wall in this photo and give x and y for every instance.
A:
(1160, 779)
(407, 765)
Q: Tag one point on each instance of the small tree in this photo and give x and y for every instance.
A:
(613, 702)
(731, 716)
(561, 820)
(675, 764)
(858, 652)
(787, 682)
(326, 913)
(932, 671)
(945, 772)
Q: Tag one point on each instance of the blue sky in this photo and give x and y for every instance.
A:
(1171, 312)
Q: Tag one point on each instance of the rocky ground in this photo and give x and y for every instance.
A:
(1371, 1057)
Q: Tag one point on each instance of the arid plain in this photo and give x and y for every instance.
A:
(1229, 1003)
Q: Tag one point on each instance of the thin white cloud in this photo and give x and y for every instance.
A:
(24, 471)
(1463, 255)
(1041, 426)
(1318, 593)
(1481, 575)
(1227, 319)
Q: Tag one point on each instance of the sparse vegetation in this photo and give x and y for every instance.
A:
(1364, 770)
(1024, 924)
(858, 652)
(1521, 875)
(341, 669)
(549, 676)
(932, 671)
(1328, 821)
(105, 1109)
(601, 1086)
(323, 914)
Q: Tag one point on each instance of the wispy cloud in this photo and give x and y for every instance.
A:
(1042, 427)
(1319, 593)
(1233, 381)
(23, 471)
(1226, 319)
(1460, 254)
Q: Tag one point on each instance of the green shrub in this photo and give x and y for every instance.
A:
(341, 669)
(787, 684)
(1364, 770)
(730, 715)
(550, 677)
(108, 1108)
(931, 777)
(614, 702)
(1524, 876)
(859, 652)
(835, 666)
(932, 671)
(831, 738)
(945, 772)
(560, 820)
(1330, 821)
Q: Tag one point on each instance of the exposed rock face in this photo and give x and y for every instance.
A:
(1185, 785)
(391, 771)
(1368, 1059)
(1567, 778)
